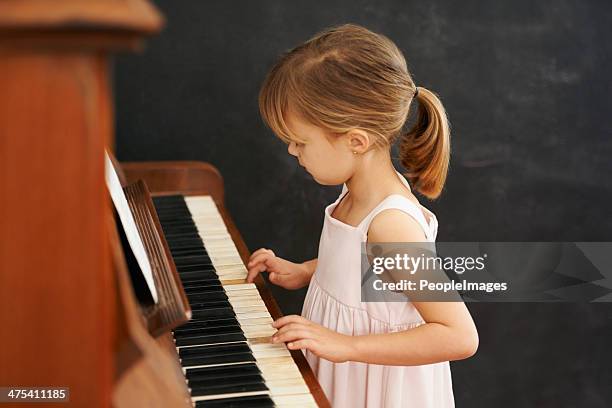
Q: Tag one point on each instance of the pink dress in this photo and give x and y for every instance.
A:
(334, 301)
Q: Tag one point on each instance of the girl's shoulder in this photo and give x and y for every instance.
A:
(400, 217)
(401, 221)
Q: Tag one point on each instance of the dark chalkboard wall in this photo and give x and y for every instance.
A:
(528, 93)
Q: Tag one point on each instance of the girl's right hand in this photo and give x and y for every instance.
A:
(283, 273)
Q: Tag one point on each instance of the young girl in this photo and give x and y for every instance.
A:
(340, 100)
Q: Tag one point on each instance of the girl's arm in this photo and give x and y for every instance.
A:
(448, 333)
(448, 339)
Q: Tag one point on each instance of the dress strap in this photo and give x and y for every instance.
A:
(399, 202)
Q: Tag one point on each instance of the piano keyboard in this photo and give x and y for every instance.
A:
(225, 350)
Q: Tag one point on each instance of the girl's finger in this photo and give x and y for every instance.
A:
(254, 271)
(254, 254)
(259, 251)
(289, 319)
(259, 258)
(301, 345)
(290, 335)
(262, 251)
(290, 326)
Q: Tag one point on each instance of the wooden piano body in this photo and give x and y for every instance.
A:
(69, 315)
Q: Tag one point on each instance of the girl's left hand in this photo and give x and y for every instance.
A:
(300, 333)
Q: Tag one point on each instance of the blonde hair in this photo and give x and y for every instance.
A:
(348, 77)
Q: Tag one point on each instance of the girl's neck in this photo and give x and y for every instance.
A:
(374, 179)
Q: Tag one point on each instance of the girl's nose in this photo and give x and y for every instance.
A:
(292, 149)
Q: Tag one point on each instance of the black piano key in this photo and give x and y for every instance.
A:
(206, 270)
(207, 323)
(203, 310)
(203, 283)
(203, 294)
(174, 217)
(253, 401)
(237, 378)
(172, 220)
(198, 256)
(226, 371)
(210, 339)
(179, 236)
(190, 242)
(206, 303)
(212, 304)
(181, 261)
(187, 247)
(188, 265)
(200, 292)
(170, 205)
(193, 242)
(183, 235)
(208, 331)
(206, 300)
(174, 213)
(188, 276)
(225, 379)
(192, 324)
(218, 359)
(246, 384)
(182, 228)
(207, 266)
(188, 252)
(205, 330)
(206, 294)
(232, 348)
(213, 313)
(206, 286)
(220, 300)
(179, 202)
(225, 354)
(185, 225)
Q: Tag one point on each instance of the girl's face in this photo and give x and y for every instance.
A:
(327, 158)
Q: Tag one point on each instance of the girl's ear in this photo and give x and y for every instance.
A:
(358, 141)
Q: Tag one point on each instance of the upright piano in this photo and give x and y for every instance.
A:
(76, 309)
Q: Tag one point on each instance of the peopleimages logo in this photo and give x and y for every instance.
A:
(486, 271)
(412, 264)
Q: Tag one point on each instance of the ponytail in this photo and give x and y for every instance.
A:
(425, 150)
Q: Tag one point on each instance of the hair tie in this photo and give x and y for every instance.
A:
(416, 93)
